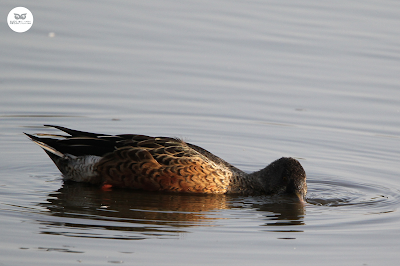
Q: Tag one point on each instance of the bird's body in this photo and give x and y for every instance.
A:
(162, 164)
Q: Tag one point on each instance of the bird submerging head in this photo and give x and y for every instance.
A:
(163, 164)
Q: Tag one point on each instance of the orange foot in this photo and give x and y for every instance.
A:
(106, 187)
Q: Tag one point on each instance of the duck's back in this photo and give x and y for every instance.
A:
(164, 164)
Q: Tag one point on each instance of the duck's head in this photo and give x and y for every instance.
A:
(285, 176)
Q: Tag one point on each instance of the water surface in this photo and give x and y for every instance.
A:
(249, 81)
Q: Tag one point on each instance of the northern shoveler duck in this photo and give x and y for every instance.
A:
(162, 164)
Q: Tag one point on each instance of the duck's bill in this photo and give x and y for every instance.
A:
(301, 196)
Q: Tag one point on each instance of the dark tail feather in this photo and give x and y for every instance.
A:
(78, 144)
(45, 144)
(77, 133)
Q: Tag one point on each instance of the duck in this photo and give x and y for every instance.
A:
(162, 164)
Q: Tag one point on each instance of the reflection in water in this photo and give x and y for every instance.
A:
(284, 213)
(281, 213)
(88, 211)
(82, 210)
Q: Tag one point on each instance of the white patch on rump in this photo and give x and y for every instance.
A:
(81, 168)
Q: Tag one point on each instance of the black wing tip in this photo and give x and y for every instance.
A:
(71, 132)
(31, 137)
(65, 129)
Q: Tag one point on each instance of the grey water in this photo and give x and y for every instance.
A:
(250, 81)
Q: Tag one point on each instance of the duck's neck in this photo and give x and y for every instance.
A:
(265, 179)
(244, 183)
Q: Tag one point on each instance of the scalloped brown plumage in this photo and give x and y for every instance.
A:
(162, 164)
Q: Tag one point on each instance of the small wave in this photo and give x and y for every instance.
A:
(352, 195)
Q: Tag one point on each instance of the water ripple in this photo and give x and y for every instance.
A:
(353, 196)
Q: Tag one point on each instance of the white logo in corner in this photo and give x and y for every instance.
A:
(20, 19)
